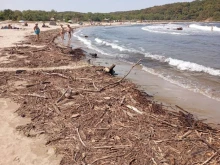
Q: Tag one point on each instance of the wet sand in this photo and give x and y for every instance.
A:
(166, 92)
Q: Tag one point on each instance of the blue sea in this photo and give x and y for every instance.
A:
(189, 58)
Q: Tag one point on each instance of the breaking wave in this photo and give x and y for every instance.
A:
(163, 29)
(179, 64)
(88, 43)
(204, 28)
(185, 65)
(113, 45)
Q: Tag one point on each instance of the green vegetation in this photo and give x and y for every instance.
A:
(198, 10)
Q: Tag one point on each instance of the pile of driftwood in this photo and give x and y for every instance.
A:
(48, 53)
(94, 118)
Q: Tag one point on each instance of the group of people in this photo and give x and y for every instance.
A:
(69, 31)
(8, 27)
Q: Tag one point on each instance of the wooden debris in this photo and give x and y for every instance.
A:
(56, 109)
(118, 123)
(75, 115)
(134, 109)
(19, 71)
(110, 69)
(77, 130)
(93, 55)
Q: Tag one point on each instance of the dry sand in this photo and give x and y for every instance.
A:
(10, 36)
(17, 149)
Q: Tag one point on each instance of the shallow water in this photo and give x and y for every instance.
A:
(189, 58)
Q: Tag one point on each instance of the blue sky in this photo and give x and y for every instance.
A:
(83, 5)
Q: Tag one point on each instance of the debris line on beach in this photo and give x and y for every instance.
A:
(93, 118)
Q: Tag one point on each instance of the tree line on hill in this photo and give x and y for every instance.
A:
(198, 10)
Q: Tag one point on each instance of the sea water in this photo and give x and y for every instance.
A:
(189, 58)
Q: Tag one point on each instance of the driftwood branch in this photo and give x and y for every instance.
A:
(209, 159)
(134, 109)
(204, 141)
(57, 74)
(185, 135)
(61, 97)
(116, 83)
(56, 108)
(80, 139)
(32, 95)
(111, 84)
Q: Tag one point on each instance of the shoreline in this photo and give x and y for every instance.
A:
(87, 126)
(168, 93)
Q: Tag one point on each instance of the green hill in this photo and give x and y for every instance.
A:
(198, 10)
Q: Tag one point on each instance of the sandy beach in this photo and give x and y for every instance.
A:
(16, 148)
(103, 120)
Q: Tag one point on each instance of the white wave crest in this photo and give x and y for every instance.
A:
(89, 44)
(179, 64)
(142, 49)
(204, 28)
(185, 65)
(162, 30)
(99, 41)
(155, 57)
(85, 41)
(113, 45)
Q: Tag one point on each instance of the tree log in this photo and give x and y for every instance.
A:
(93, 55)
(110, 69)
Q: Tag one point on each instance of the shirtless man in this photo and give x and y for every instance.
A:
(69, 31)
(62, 32)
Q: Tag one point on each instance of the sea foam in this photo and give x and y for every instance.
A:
(88, 43)
(184, 65)
(190, 66)
(204, 28)
(179, 64)
(163, 29)
(113, 45)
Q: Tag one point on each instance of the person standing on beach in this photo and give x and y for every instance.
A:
(37, 32)
(62, 32)
(69, 31)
